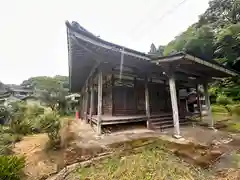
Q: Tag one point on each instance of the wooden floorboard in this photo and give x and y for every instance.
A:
(110, 120)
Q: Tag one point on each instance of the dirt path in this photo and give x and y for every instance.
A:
(37, 161)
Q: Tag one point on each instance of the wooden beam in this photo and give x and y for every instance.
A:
(208, 105)
(86, 105)
(198, 101)
(165, 95)
(211, 65)
(112, 86)
(91, 103)
(121, 64)
(99, 117)
(82, 106)
(174, 101)
(69, 43)
(147, 107)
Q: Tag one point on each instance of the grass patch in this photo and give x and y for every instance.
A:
(233, 126)
(152, 162)
(227, 122)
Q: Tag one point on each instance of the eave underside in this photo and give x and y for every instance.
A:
(86, 52)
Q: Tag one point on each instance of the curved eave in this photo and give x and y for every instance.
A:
(86, 50)
(209, 68)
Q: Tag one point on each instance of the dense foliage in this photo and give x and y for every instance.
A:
(51, 90)
(50, 123)
(11, 167)
(215, 36)
(24, 119)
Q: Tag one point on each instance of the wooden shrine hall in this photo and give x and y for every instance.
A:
(120, 85)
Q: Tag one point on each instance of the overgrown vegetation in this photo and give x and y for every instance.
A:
(50, 123)
(24, 119)
(11, 167)
(152, 162)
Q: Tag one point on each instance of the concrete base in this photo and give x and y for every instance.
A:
(177, 136)
(213, 128)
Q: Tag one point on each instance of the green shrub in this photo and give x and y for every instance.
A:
(50, 123)
(224, 100)
(236, 110)
(25, 119)
(34, 111)
(7, 138)
(5, 150)
(21, 126)
(5, 129)
(218, 109)
(4, 113)
(11, 167)
(6, 142)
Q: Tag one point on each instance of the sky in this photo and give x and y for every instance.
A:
(33, 38)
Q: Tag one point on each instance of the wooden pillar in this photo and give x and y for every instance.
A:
(174, 102)
(91, 103)
(83, 106)
(199, 101)
(99, 115)
(112, 89)
(86, 105)
(208, 104)
(147, 107)
(166, 97)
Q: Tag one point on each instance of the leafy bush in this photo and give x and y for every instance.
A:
(24, 118)
(218, 109)
(6, 141)
(34, 111)
(5, 150)
(50, 123)
(5, 129)
(236, 110)
(224, 100)
(11, 167)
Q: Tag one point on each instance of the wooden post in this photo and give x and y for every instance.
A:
(208, 105)
(99, 117)
(198, 101)
(147, 107)
(83, 105)
(91, 103)
(112, 89)
(86, 105)
(165, 96)
(174, 101)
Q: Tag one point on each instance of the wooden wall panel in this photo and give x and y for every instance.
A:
(107, 95)
(124, 101)
(140, 96)
(157, 98)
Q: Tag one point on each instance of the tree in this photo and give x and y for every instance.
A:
(47, 83)
(51, 90)
(228, 45)
(216, 36)
(221, 13)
